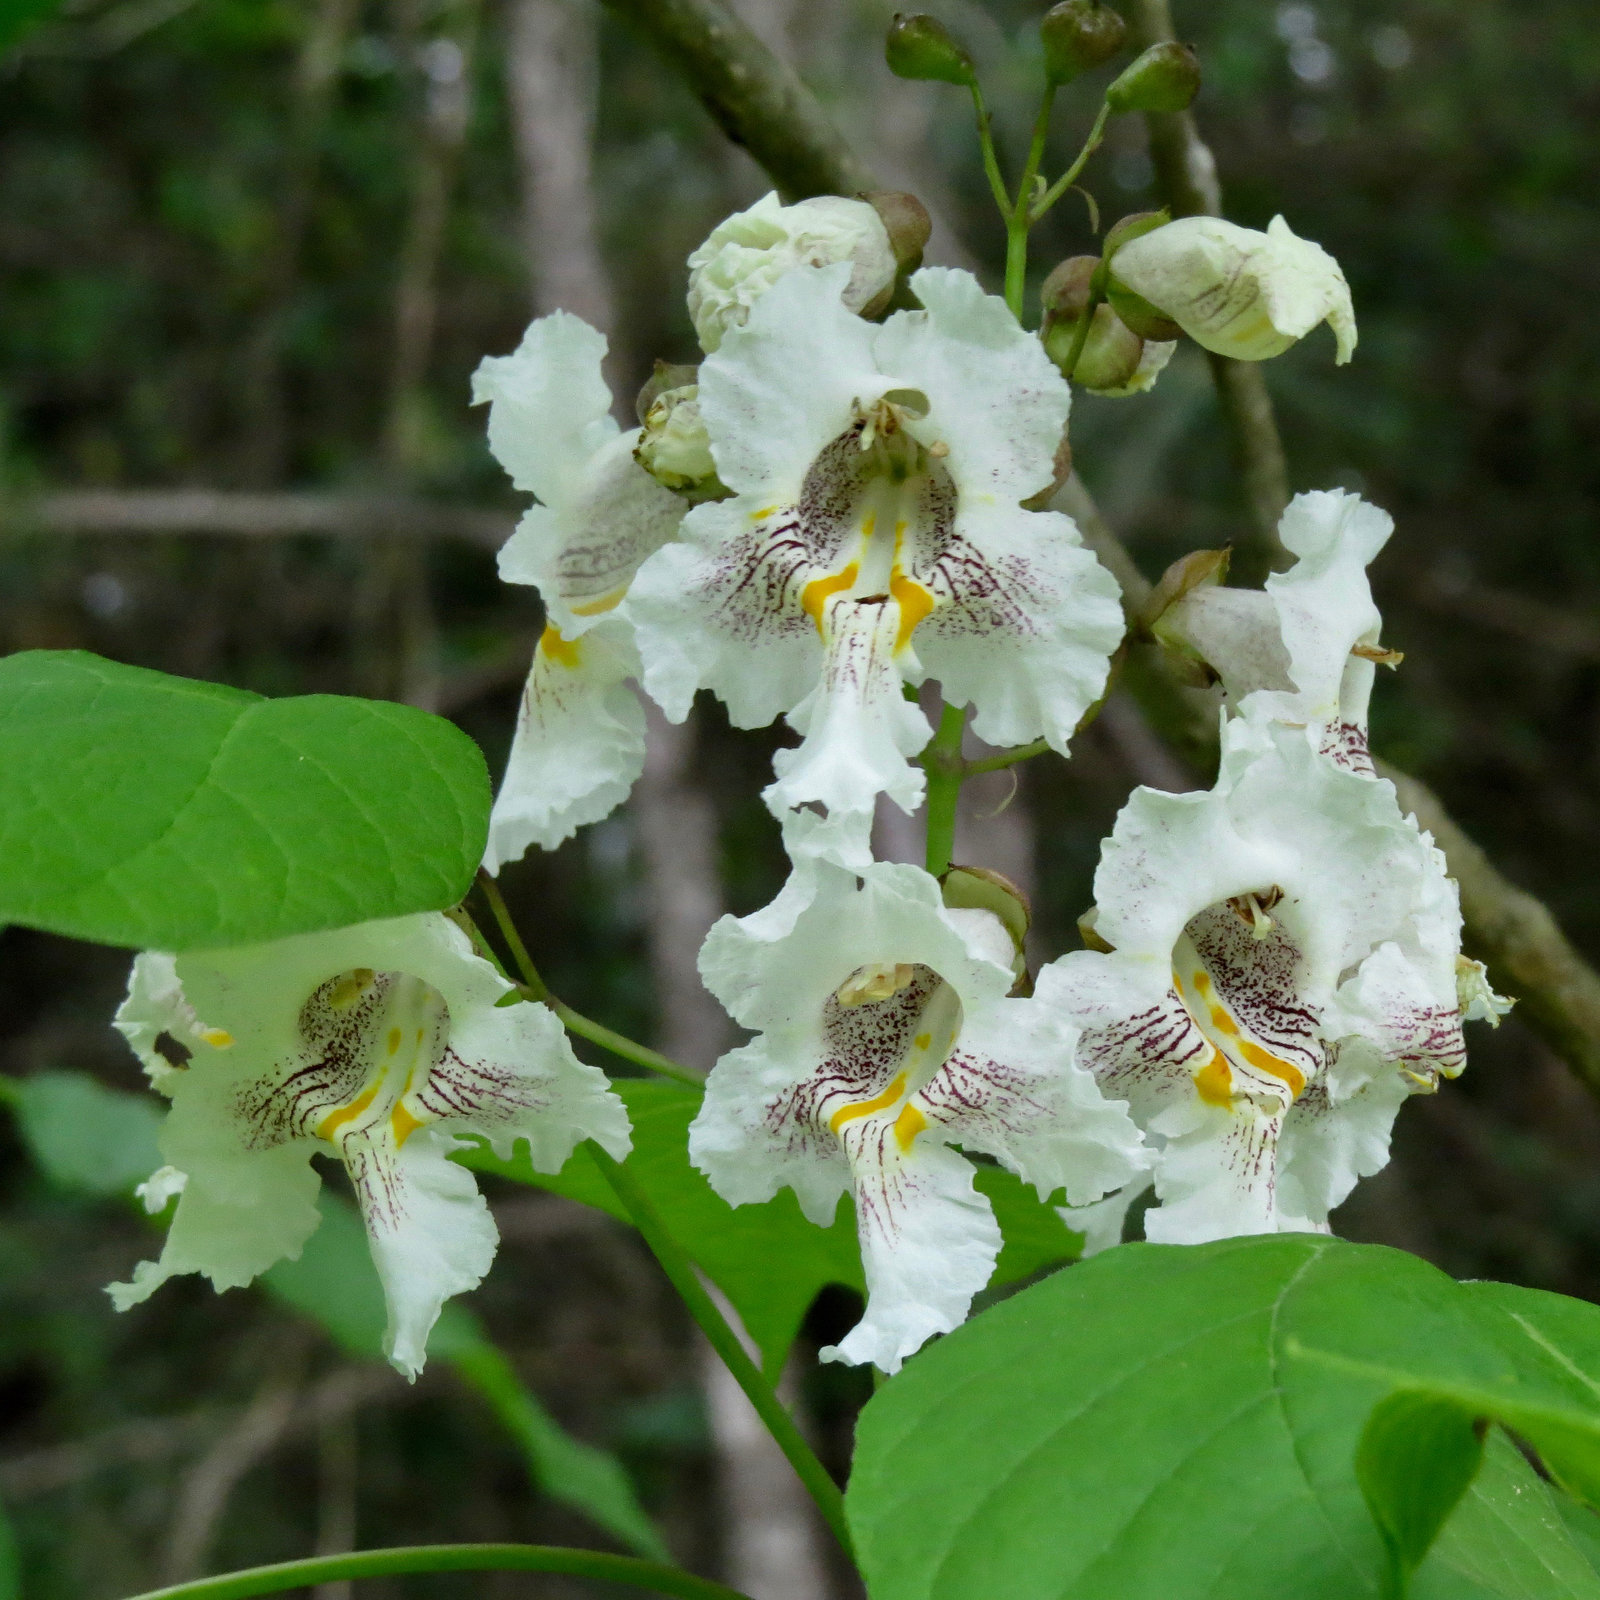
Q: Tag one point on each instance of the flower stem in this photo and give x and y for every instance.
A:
(1019, 220)
(508, 931)
(680, 1270)
(619, 1044)
(1005, 758)
(653, 1575)
(991, 162)
(1096, 133)
(535, 988)
(942, 762)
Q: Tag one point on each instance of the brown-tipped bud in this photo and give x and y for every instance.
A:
(667, 375)
(1165, 78)
(1129, 228)
(919, 46)
(1200, 569)
(1065, 293)
(1139, 314)
(1078, 35)
(979, 889)
(907, 223)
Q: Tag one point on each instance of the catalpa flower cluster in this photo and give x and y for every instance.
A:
(845, 500)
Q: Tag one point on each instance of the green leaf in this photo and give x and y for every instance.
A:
(1145, 1426)
(1418, 1453)
(767, 1259)
(10, 1562)
(161, 813)
(591, 1480)
(18, 18)
(335, 1284)
(85, 1136)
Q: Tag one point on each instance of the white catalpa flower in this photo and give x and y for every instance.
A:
(746, 255)
(885, 1034)
(1238, 292)
(382, 1044)
(1304, 650)
(1281, 975)
(876, 536)
(579, 743)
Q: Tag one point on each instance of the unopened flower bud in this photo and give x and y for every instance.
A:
(1114, 360)
(1238, 292)
(920, 46)
(1065, 293)
(745, 255)
(1078, 35)
(667, 375)
(1165, 78)
(977, 889)
(674, 447)
(908, 225)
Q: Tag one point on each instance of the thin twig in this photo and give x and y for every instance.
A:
(681, 1273)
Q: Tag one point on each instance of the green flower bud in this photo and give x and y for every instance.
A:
(1065, 293)
(979, 889)
(1114, 360)
(674, 447)
(1133, 227)
(1165, 78)
(920, 46)
(1078, 35)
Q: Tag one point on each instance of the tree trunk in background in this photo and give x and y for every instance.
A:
(550, 68)
(769, 1531)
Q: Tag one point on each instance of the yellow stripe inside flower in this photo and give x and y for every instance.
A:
(380, 1035)
(1230, 1046)
(564, 652)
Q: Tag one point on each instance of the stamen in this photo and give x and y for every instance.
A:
(878, 981)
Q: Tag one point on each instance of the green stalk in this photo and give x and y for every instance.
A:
(1070, 176)
(535, 988)
(1005, 758)
(945, 768)
(680, 1271)
(619, 1044)
(653, 1575)
(1020, 218)
(991, 162)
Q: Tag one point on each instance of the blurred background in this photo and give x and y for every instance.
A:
(250, 253)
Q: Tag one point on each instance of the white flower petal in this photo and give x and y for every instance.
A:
(886, 1030)
(782, 387)
(430, 1232)
(1102, 1223)
(858, 727)
(994, 397)
(1026, 627)
(929, 1242)
(579, 744)
(156, 1020)
(1283, 974)
(1012, 1089)
(1327, 1147)
(549, 407)
(581, 551)
(319, 1054)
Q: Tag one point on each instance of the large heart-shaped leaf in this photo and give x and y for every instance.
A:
(157, 812)
(1153, 1425)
